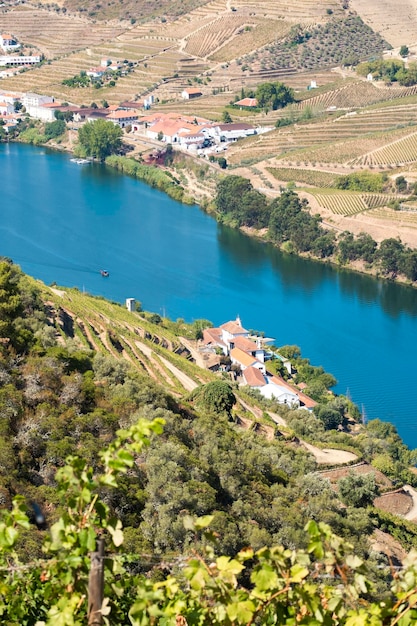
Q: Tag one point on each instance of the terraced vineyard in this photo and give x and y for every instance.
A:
(328, 141)
(399, 152)
(261, 32)
(54, 34)
(316, 178)
(350, 202)
(298, 11)
(356, 94)
(209, 38)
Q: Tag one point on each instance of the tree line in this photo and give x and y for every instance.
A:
(291, 226)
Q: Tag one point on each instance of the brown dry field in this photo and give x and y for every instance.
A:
(395, 21)
(378, 227)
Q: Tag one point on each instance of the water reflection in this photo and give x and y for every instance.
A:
(295, 273)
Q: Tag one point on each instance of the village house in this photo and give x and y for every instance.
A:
(249, 357)
(6, 108)
(122, 117)
(10, 97)
(8, 43)
(247, 102)
(191, 93)
(232, 131)
(243, 360)
(96, 72)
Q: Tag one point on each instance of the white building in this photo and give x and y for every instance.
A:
(45, 114)
(35, 100)
(8, 43)
(6, 108)
(19, 60)
(122, 118)
(130, 304)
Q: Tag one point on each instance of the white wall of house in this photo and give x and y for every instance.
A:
(41, 113)
(6, 108)
(281, 394)
(35, 100)
(18, 60)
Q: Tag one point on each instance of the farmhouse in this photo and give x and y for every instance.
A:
(122, 117)
(190, 94)
(8, 42)
(247, 102)
(231, 132)
(96, 72)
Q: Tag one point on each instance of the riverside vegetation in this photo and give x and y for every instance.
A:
(91, 440)
(292, 227)
(288, 222)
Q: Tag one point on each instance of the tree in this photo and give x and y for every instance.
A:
(274, 95)
(99, 139)
(216, 397)
(401, 184)
(226, 117)
(358, 490)
(54, 129)
(389, 255)
(404, 51)
(331, 418)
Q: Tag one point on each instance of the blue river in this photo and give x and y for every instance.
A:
(63, 222)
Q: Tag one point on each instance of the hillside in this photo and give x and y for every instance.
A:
(75, 369)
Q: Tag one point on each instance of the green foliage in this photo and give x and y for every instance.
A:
(54, 129)
(226, 117)
(151, 175)
(215, 397)
(99, 139)
(238, 201)
(79, 80)
(390, 70)
(274, 95)
(290, 221)
(32, 136)
(358, 490)
(361, 181)
(404, 51)
(339, 41)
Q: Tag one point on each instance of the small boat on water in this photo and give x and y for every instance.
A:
(80, 161)
(105, 273)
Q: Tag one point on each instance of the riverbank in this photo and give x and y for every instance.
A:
(167, 179)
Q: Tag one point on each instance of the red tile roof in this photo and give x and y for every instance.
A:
(247, 102)
(243, 357)
(234, 328)
(245, 344)
(253, 377)
(192, 91)
(117, 115)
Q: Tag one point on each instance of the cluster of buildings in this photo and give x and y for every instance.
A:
(9, 44)
(184, 131)
(249, 357)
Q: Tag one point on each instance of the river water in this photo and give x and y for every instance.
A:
(63, 222)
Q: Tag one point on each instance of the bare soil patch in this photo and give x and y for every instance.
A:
(398, 502)
(335, 474)
(383, 542)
